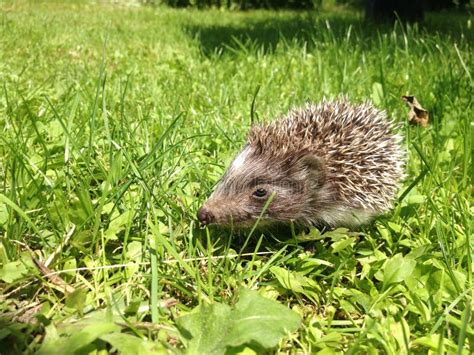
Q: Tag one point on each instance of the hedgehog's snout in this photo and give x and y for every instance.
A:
(205, 216)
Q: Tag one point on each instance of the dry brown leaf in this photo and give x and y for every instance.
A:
(53, 278)
(22, 312)
(142, 325)
(417, 115)
(168, 303)
(28, 316)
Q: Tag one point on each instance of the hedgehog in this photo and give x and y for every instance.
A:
(329, 164)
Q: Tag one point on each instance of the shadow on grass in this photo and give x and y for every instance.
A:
(259, 32)
(261, 239)
(265, 31)
(15, 335)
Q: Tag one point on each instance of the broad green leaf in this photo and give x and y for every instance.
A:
(54, 130)
(77, 299)
(397, 269)
(342, 244)
(70, 264)
(56, 343)
(450, 287)
(415, 199)
(18, 269)
(314, 234)
(289, 280)
(325, 350)
(432, 341)
(400, 331)
(317, 262)
(331, 338)
(377, 93)
(78, 213)
(384, 232)
(242, 350)
(337, 234)
(127, 344)
(211, 329)
(206, 328)
(13, 271)
(118, 224)
(134, 251)
(261, 320)
(395, 227)
(296, 282)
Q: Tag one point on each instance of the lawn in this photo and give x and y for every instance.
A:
(117, 120)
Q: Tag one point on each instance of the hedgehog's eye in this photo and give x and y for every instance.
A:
(260, 192)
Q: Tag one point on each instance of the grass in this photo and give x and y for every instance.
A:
(116, 122)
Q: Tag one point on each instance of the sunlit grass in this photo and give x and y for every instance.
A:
(117, 121)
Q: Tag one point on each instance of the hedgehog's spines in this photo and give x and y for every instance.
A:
(363, 157)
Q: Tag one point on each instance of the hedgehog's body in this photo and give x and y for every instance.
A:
(334, 163)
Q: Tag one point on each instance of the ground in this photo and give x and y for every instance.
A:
(116, 121)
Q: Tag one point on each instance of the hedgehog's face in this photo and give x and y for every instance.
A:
(254, 186)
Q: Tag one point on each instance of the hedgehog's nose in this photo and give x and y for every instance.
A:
(205, 216)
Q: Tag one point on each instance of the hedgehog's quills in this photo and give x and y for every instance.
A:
(334, 163)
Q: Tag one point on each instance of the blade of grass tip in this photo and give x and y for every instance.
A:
(137, 172)
(449, 309)
(154, 286)
(122, 96)
(425, 161)
(92, 118)
(466, 316)
(169, 248)
(86, 202)
(267, 266)
(422, 156)
(116, 197)
(226, 136)
(7, 100)
(468, 167)
(126, 321)
(32, 92)
(67, 131)
(249, 266)
(36, 170)
(37, 185)
(66, 128)
(252, 106)
(440, 349)
(33, 120)
(209, 267)
(105, 272)
(405, 330)
(22, 214)
(412, 185)
(265, 207)
(467, 224)
(160, 141)
(190, 245)
(229, 48)
(242, 48)
(128, 229)
(106, 120)
(462, 63)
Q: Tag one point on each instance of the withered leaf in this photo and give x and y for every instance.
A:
(417, 115)
(53, 278)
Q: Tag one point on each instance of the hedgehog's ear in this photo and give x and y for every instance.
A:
(315, 167)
